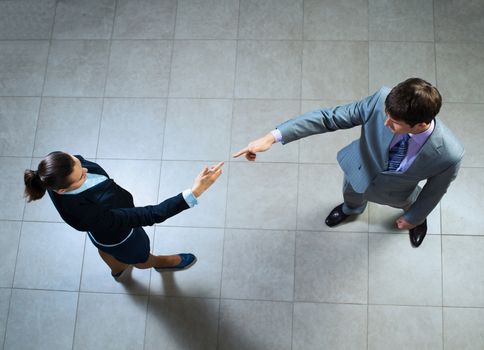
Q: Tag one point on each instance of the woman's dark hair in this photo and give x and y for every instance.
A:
(52, 173)
(413, 101)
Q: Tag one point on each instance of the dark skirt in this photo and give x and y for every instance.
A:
(134, 249)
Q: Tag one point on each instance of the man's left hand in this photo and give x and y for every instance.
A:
(403, 224)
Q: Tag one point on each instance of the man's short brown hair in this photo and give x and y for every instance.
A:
(413, 101)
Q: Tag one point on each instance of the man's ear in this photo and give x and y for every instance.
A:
(61, 191)
(423, 125)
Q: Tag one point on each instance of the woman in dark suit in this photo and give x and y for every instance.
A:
(88, 200)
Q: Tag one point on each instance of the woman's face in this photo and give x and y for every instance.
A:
(77, 177)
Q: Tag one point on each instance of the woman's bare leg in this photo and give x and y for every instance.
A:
(115, 265)
(159, 261)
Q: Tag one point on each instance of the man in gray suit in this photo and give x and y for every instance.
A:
(401, 143)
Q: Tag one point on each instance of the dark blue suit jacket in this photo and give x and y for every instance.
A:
(107, 210)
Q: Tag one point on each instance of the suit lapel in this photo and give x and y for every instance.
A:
(387, 138)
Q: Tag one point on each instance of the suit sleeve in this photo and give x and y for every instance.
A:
(431, 194)
(120, 218)
(331, 119)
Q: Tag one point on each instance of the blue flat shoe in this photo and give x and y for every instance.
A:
(187, 261)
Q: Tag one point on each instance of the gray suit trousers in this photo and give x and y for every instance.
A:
(355, 203)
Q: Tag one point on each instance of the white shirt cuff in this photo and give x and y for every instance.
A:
(277, 135)
(190, 198)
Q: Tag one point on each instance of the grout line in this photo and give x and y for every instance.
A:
(108, 59)
(336, 101)
(216, 160)
(369, 207)
(100, 120)
(228, 181)
(233, 99)
(79, 290)
(146, 313)
(245, 299)
(449, 42)
(31, 162)
(298, 177)
(294, 289)
(108, 63)
(440, 203)
(158, 200)
(268, 229)
(9, 306)
(368, 280)
(160, 170)
(167, 101)
(442, 273)
(435, 44)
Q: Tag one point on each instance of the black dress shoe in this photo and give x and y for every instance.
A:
(336, 216)
(417, 234)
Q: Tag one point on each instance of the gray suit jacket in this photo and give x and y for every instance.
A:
(365, 160)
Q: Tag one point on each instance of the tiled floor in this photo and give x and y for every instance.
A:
(154, 90)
